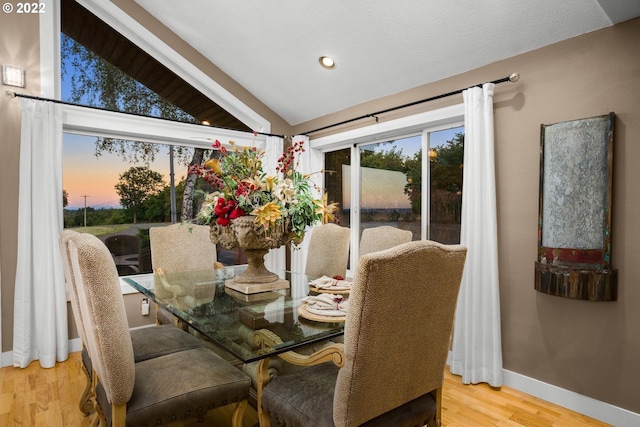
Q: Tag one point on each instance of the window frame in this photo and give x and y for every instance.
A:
(418, 124)
(97, 122)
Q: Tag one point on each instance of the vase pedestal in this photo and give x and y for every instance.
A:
(256, 278)
(254, 288)
(255, 242)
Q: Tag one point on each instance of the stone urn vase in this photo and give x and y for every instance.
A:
(255, 241)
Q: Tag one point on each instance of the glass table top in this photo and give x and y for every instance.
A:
(230, 318)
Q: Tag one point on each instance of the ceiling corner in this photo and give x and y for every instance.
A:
(620, 10)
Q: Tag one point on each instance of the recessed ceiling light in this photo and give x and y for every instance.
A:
(327, 62)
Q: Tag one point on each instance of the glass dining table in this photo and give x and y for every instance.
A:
(250, 327)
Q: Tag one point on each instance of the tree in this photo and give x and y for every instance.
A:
(392, 160)
(157, 207)
(136, 185)
(65, 198)
(452, 153)
(96, 82)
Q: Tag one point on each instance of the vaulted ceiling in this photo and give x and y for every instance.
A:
(381, 47)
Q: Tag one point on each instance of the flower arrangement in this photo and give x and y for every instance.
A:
(241, 187)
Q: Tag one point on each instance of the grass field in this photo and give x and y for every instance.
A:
(100, 230)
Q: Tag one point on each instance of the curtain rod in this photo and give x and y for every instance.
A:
(12, 94)
(512, 78)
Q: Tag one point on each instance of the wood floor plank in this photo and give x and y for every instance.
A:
(37, 397)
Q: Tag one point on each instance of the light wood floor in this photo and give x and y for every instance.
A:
(37, 397)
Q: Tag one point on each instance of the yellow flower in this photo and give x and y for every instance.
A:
(214, 165)
(267, 214)
(270, 182)
(326, 210)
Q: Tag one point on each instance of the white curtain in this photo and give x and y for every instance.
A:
(40, 303)
(276, 259)
(476, 349)
(310, 161)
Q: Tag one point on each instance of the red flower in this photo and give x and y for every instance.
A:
(217, 145)
(226, 210)
(237, 213)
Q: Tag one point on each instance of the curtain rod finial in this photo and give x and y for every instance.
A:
(10, 93)
(514, 77)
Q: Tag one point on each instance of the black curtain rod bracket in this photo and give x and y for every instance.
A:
(511, 78)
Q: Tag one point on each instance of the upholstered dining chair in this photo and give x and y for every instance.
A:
(383, 237)
(180, 247)
(390, 369)
(155, 391)
(147, 342)
(328, 251)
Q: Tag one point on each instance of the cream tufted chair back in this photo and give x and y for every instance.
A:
(181, 247)
(328, 251)
(398, 328)
(384, 237)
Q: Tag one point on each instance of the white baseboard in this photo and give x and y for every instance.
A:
(6, 359)
(585, 405)
(579, 403)
(75, 345)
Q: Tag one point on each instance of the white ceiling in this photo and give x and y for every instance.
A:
(381, 47)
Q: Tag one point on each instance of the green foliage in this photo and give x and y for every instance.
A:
(98, 83)
(157, 207)
(392, 159)
(413, 171)
(95, 217)
(143, 234)
(452, 153)
(136, 185)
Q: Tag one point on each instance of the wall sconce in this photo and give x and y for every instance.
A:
(12, 75)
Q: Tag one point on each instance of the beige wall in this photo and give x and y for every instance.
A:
(586, 347)
(592, 348)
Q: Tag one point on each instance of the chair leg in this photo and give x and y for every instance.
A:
(439, 406)
(118, 415)
(238, 413)
(96, 421)
(86, 404)
(262, 374)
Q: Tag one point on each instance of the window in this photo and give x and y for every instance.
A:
(394, 183)
(390, 184)
(102, 68)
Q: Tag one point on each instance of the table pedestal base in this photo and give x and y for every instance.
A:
(253, 288)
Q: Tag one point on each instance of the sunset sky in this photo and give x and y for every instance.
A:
(85, 174)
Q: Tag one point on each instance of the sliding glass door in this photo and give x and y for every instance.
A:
(390, 182)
